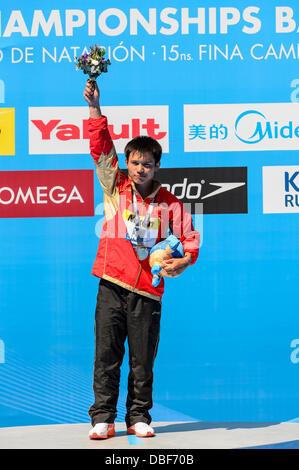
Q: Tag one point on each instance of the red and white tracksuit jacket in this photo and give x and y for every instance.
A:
(116, 260)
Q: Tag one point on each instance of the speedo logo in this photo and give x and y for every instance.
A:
(220, 190)
(194, 190)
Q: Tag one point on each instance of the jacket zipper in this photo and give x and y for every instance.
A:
(143, 204)
(138, 276)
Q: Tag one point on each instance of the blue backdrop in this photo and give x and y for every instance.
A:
(228, 349)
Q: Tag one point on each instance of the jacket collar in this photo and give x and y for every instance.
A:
(130, 183)
(156, 187)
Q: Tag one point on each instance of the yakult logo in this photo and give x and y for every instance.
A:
(234, 127)
(65, 130)
(53, 193)
(280, 189)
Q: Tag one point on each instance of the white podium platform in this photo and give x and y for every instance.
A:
(169, 435)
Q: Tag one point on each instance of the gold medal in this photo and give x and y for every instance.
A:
(141, 252)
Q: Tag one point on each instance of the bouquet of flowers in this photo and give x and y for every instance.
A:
(93, 63)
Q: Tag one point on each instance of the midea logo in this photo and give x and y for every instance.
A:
(262, 128)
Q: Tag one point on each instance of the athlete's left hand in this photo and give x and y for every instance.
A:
(176, 266)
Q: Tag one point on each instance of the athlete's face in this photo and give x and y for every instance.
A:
(142, 167)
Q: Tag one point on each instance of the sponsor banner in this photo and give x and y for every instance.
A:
(50, 193)
(220, 190)
(281, 189)
(235, 127)
(7, 131)
(64, 130)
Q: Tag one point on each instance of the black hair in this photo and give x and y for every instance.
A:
(142, 144)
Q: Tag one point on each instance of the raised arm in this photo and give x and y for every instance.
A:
(101, 145)
(93, 100)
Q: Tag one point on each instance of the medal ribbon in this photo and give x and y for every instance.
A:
(141, 227)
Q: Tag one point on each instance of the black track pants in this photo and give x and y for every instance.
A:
(121, 313)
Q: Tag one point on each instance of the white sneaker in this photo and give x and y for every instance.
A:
(102, 431)
(141, 430)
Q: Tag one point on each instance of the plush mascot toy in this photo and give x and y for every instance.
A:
(171, 247)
